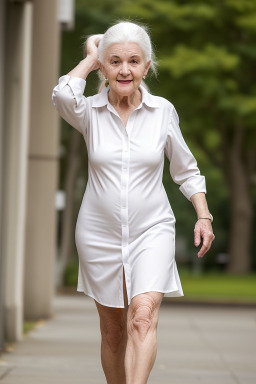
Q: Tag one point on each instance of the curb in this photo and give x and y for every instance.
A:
(209, 303)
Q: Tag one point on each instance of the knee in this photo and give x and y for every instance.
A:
(143, 317)
(114, 334)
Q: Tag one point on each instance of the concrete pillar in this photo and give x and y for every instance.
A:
(16, 132)
(43, 164)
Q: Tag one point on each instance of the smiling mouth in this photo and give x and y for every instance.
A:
(124, 81)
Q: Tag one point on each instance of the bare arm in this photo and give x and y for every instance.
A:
(203, 227)
(90, 63)
(68, 97)
(200, 204)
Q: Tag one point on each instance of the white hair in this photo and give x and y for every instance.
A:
(130, 32)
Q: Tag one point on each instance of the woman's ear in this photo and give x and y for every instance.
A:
(102, 69)
(147, 67)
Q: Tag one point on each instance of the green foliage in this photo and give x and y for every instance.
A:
(28, 326)
(71, 273)
(185, 60)
(207, 53)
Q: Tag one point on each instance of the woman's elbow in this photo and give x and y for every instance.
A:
(61, 99)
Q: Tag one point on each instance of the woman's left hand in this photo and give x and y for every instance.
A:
(203, 229)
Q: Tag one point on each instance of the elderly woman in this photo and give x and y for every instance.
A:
(125, 230)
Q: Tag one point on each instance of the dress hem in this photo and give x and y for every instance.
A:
(120, 306)
(172, 293)
(91, 296)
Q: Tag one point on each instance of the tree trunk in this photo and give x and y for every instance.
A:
(241, 208)
(67, 233)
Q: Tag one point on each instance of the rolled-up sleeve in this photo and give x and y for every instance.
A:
(69, 100)
(183, 165)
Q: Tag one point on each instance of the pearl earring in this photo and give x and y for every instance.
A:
(106, 82)
(144, 77)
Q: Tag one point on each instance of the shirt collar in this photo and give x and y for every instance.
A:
(101, 99)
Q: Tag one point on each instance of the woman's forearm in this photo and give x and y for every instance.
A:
(83, 69)
(90, 63)
(200, 204)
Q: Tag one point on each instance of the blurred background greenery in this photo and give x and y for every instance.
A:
(206, 52)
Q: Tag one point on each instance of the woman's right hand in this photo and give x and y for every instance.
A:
(92, 49)
(91, 62)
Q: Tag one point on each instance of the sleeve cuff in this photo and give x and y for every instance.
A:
(76, 83)
(193, 185)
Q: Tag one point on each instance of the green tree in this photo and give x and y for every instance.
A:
(206, 58)
(207, 69)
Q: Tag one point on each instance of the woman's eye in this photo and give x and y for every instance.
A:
(115, 62)
(134, 61)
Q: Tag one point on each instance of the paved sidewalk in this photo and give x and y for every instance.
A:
(206, 345)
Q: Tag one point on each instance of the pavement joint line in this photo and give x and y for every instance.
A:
(8, 370)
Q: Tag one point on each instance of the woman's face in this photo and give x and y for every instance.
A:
(124, 67)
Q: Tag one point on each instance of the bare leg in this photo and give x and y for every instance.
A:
(113, 325)
(142, 320)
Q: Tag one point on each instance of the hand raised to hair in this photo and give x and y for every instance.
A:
(92, 49)
(90, 62)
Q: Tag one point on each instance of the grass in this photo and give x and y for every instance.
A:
(219, 286)
(27, 326)
(71, 274)
(203, 286)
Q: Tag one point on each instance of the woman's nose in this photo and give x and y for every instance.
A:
(124, 69)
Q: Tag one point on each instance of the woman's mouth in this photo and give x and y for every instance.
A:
(124, 81)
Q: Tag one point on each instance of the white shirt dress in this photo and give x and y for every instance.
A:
(125, 219)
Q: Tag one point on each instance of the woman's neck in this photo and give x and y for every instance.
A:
(125, 102)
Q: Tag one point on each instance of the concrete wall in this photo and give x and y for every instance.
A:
(29, 135)
(42, 164)
(16, 133)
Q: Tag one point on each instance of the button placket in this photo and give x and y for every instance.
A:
(124, 198)
(124, 189)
